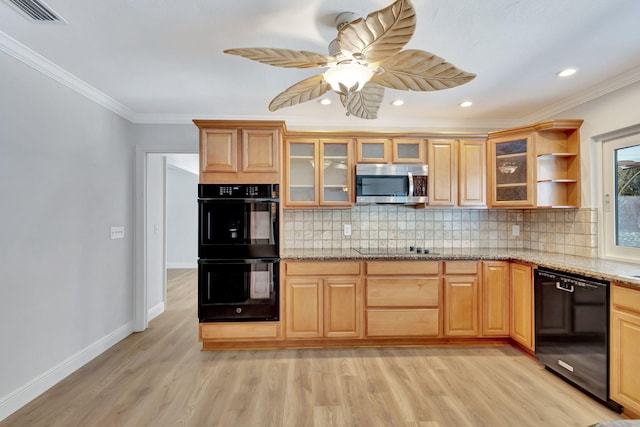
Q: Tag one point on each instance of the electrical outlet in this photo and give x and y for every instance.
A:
(515, 230)
(117, 233)
(347, 229)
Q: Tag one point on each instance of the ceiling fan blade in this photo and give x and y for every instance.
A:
(365, 103)
(382, 34)
(286, 58)
(300, 92)
(420, 71)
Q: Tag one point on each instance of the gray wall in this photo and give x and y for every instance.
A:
(66, 174)
(182, 218)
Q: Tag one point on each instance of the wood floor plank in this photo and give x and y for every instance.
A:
(160, 377)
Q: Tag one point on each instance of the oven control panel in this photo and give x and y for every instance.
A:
(237, 191)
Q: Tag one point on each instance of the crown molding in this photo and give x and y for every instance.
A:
(36, 61)
(620, 81)
(39, 63)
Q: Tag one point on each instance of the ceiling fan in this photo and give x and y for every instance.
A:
(365, 58)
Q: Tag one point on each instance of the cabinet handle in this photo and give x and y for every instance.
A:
(461, 284)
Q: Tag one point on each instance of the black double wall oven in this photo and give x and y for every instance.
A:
(238, 252)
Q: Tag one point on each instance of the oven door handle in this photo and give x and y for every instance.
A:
(562, 288)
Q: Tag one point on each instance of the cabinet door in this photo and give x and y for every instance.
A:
(408, 150)
(461, 306)
(472, 173)
(218, 150)
(304, 301)
(495, 298)
(336, 172)
(625, 348)
(443, 183)
(511, 171)
(343, 307)
(301, 173)
(521, 279)
(373, 150)
(260, 150)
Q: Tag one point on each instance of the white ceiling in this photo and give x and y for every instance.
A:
(162, 61)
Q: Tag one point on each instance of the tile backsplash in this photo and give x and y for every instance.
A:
(565, 231)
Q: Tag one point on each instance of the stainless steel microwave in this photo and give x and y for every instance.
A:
(391, 183)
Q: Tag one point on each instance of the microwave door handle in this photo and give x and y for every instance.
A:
(410, 176)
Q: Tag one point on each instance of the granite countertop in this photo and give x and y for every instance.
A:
(615, 271)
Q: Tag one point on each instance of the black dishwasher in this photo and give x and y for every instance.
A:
(572, 329)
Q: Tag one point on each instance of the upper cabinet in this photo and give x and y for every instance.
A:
(457, 172)
(390, 150)
(240, 152)
(318, 172)
(535, 166)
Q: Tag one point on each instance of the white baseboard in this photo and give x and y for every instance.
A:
(155, 311)
(193, 264)
(34, 388)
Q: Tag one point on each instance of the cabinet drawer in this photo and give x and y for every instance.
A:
(460, 267)
(322, 268)
(239, 330)
(403, 292)
(403, 322)
(405, 268)
(625, 299)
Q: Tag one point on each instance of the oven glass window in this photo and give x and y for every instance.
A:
(238, 283)
(232, 222)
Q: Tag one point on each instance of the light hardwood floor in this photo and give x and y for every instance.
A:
(161, 378)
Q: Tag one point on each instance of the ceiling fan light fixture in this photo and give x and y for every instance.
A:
(351, 75)
(567, 72)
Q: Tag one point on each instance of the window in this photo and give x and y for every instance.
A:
(621, 199)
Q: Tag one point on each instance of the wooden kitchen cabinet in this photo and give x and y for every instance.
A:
(443, 178)
(318, 173)
(323, 299)
(390, 150)
(535, 166)
(522, 304)
(461, 299)
(240, 152)
(624, 385)
(402, 298)
(495, 298)
(457, 172)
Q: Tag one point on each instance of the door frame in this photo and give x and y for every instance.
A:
(140, 314)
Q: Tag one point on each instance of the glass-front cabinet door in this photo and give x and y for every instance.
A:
(336, 172)
(319, 172)
(511, 171)
(301, 173)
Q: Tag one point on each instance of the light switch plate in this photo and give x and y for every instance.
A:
(117, 233)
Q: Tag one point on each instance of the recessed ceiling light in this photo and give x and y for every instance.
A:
(567, 72)
(397, 102)
(466, 104)
(325, 101)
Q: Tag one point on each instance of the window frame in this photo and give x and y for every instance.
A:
(607, 191)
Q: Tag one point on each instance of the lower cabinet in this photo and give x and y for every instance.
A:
(624, 346)
(322, 299)
(402, 299)
(495, 298)
(461, 299)
(522, 312)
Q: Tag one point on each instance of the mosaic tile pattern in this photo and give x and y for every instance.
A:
(564, 231)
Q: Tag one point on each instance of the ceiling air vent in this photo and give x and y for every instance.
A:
(35, 10)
